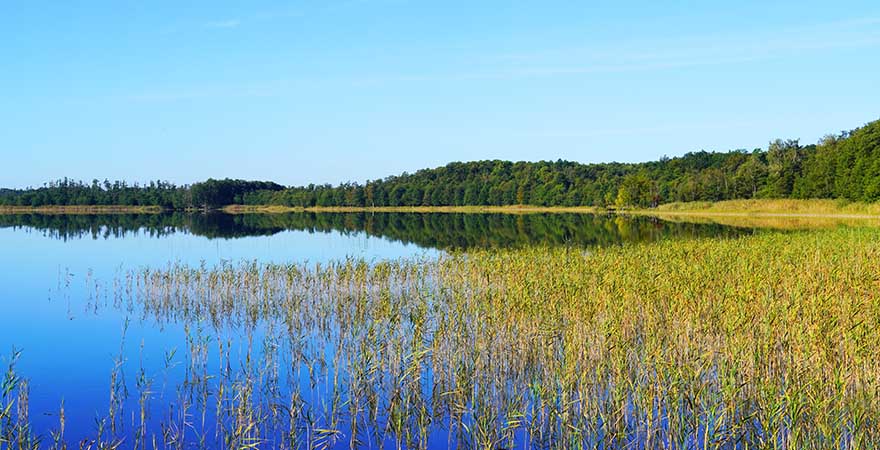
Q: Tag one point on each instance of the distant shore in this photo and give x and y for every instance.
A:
(733, 208)
(81, 209)
(510, 209)
(755, 208)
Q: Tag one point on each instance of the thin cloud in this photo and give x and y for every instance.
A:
(212, 91)
(848, 29)
(629, 57)
(691, 51)
(653, 56)
(230, 23)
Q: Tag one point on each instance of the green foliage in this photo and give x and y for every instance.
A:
(69, 192)
(845, 166)
(214, 193)
(65, 192)
(637, 190)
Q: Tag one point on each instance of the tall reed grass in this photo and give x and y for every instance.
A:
(759, 342)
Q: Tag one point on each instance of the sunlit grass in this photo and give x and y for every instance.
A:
(771, 222)
(809, 207)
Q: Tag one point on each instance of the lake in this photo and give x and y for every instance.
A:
(126, 371)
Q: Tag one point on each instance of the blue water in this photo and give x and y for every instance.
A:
(70, 336)
(58, 295)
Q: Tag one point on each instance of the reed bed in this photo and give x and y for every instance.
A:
(758, 342)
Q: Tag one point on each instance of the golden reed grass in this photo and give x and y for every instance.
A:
(766, 341)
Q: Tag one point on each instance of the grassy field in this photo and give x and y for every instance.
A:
(767, 341)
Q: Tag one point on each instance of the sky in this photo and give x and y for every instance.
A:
(333, 91)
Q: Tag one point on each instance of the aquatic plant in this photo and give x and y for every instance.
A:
(766, 341)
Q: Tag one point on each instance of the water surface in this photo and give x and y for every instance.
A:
(62, 277)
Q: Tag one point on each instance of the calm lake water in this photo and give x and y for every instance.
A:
(60, 275)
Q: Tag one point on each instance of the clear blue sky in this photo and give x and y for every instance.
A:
(330, 91)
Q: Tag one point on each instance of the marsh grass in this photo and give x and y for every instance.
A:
(806, 207)
(759, 342)
(771, 222)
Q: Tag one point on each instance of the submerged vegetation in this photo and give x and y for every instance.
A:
(841, 166)
(764, 341)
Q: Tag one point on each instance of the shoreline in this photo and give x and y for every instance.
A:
(771, 208)
(655, 213)
(512, 209)
(803, 209)
(82, 209)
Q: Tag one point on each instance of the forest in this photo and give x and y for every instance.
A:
(840, 166)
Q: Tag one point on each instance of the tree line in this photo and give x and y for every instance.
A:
(843, 166)
(207, 194)
(846, 165)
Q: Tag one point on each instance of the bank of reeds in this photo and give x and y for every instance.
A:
(760, 342)
(767, 206)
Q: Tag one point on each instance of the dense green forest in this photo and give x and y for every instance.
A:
(844, 166)
(210, 193)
